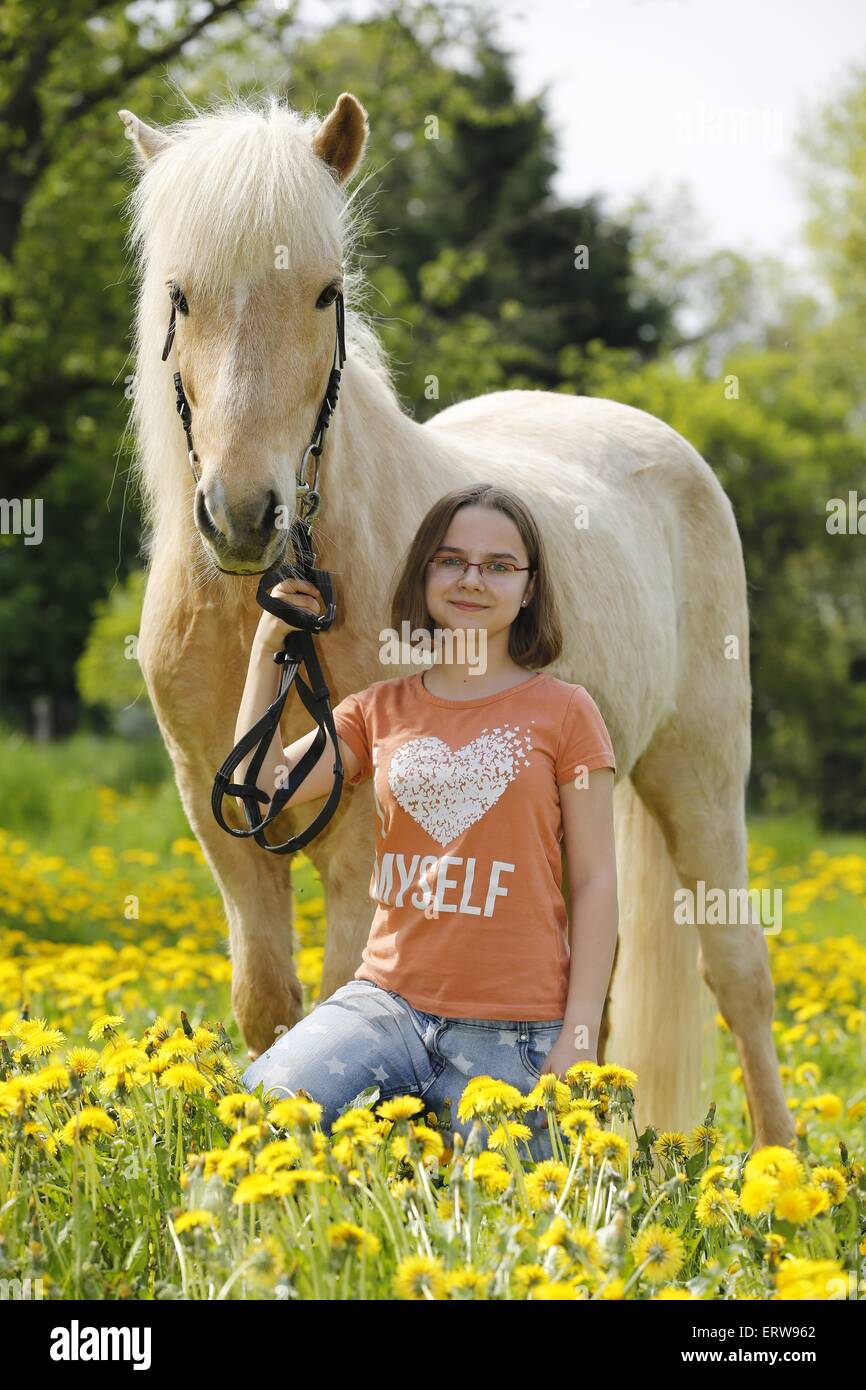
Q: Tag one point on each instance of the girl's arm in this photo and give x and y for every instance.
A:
(260, 690)
(262, 683)
(587, 821)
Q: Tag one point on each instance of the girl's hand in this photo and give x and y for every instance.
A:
(562, 1056)
(272, 630)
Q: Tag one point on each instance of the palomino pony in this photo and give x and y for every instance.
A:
(245, 210)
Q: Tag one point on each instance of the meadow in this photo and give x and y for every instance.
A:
(134, 1166)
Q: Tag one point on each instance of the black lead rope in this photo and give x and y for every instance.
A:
(298, 649)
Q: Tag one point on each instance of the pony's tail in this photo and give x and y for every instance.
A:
(661, 1014)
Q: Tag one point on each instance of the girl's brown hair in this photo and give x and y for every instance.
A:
(535, 635)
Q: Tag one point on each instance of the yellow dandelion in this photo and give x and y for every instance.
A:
(240, 1105)
(791, 1204)
(468, 1282)
(660, 1251)
(616, 1078)
(828, 1106)
(81, 1060)
(295, 1113)
(420, 1277)
(776, 1162)
(106, 1023)
(485, 1096)
(498, 1138)
(358, 1121)
(184, 1077)
(528, 1276)
(715, 1205)
(673, 1146)
(87, 1124)
(579, 1120)
(429, 1140)
(606, 1146)
(705, 1137)
(54, 1078)
(36, 1038)
(249, 1134)
(345, 1235)
(798, 1278)
(196, 1220)
(282, 1153)
(254, 1187)
(177, 1048)
(226, 1163)
(400, 1108)
(545, 1183)
(758, 1194)
(833, 1183)
(555, 1292)
(490, 1170)
(583, 1073)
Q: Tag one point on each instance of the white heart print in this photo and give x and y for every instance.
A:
(446, 790)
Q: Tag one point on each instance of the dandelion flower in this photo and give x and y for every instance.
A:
(420, 1277)
(400, 1108)
(106, 1023)
(673, 1146)
(345, 1235)
(758, 1194)
(240, 1105)
(661, 1252)
(87, 1124)
(832, 1181)
(792, 1204)
(776, 1162)
(195, 1220)
(81, 1060)
(184, 1077)
(715, 1205)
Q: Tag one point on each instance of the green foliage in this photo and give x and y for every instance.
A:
(108, 670)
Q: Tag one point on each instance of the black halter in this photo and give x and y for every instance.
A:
(298, 649)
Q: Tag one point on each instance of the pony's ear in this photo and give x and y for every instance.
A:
(147, 141)
(341, 137)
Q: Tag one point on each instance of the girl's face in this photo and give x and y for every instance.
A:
(491, 601)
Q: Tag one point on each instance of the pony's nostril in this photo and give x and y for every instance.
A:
(204, 520)
(269, 516)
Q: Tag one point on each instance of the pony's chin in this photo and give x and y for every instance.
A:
(244, 568)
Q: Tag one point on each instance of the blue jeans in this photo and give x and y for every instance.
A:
(364, 1035)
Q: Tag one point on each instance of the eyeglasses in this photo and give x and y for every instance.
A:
(490, 569)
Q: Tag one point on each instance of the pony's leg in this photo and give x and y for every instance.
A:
(256, 889)
(194, 676)
(694, 786)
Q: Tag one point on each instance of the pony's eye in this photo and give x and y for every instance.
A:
(177, 297)
(328, 295)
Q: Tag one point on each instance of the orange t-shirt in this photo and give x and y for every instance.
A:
(470, 920)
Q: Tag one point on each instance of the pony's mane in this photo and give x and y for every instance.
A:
(235, 182)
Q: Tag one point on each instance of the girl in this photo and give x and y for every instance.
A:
(481, 767)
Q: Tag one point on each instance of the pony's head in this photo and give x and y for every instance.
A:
(239, 217)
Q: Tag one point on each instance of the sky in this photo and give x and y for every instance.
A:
(644, 95)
